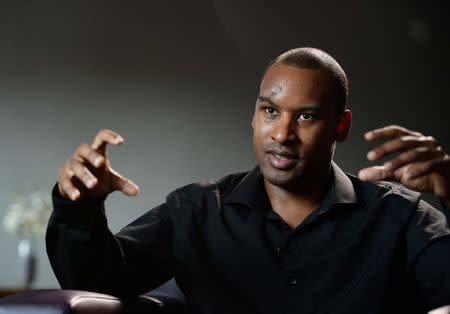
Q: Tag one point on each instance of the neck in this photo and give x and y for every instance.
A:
(295, 204)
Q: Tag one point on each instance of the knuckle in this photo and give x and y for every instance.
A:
(64, 181)
(73, 164)
(82, 146)
(60, 172)
(81, 149)
(421, 150)
(404, 139)
(103, 133)
(63, 173)
(395, 162)
(432, 140)
(87, 177)
(416, 134)
(70, 162)
(396, 129)
(94, 155)
(380, 150)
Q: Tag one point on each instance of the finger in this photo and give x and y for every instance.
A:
(124, 185)
(401, 144)
(375, 173)
(425, 168)
(105, 137)
(86, 152)
(82, 173)
(67, 189)
(387, 132)
(413, 155)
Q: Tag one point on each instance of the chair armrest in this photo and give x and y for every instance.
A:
(441, 310)
(55, 301)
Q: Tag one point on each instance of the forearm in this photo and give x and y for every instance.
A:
(82, 251)
(85, 255)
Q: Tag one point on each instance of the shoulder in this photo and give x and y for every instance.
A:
(402, 203)
(385, 201)
(385, 191)
(197, 193)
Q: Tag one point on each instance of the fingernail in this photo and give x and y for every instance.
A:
(90, 183)
(371, 155)
(362, 175)
(74, 195)
(368, 135)
(119, 139)
(387, 165)
(98, 161)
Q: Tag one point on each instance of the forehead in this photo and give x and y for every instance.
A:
(297, 85)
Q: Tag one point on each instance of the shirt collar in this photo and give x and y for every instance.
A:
(343, 189)
(250, 190)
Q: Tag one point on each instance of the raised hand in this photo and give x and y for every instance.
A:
(421, 163)
(88, 172)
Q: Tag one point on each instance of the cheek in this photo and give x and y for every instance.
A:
(261, 131)
(316, 141)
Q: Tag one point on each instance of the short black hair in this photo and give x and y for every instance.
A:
(313, 58)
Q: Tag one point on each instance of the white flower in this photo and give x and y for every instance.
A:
(28, 214)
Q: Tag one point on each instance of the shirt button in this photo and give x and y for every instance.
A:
(278, 251)
(292, 281)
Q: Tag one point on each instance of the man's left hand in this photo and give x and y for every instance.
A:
(421, 163)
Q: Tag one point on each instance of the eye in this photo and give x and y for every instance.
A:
(270, 113)
(305, 117)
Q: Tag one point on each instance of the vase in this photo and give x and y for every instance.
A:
(26, 263)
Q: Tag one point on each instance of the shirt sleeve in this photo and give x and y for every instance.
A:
(85, 255)
(429, 255)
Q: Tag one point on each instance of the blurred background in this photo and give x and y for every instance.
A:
(178, 80)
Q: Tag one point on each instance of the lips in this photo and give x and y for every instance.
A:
(282, 160)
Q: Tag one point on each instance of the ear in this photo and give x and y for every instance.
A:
(343, 127)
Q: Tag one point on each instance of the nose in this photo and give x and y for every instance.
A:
(284, 130)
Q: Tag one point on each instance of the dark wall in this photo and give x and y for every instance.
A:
(178, 79)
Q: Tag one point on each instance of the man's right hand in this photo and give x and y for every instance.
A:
(88, 172)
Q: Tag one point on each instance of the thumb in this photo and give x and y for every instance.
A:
(126, 186)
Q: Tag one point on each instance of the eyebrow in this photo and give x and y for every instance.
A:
(267, 99)
(307, 108)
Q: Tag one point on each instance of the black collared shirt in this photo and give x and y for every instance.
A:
(368, 248)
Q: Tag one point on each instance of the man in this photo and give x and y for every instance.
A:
(294, 235)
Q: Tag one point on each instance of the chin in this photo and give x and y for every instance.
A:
(286, 179)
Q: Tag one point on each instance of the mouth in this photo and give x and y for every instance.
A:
(282, 160)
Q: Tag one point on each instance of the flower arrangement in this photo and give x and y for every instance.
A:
(28, 214)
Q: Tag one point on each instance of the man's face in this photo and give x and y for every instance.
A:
(294, 125)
